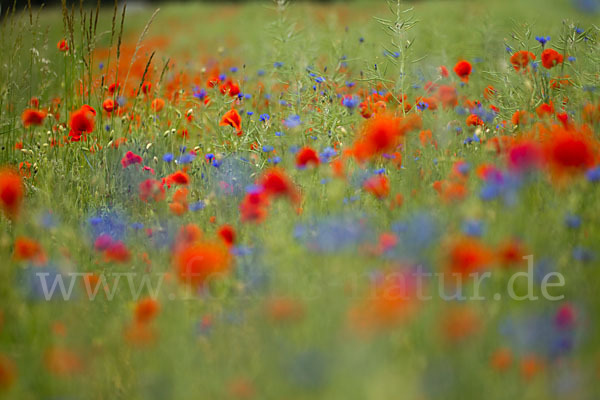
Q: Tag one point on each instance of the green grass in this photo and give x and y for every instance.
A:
(322, 354)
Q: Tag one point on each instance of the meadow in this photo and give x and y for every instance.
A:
(288, 200)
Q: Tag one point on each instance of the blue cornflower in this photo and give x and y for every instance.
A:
(200, 94)
(267, 148)
(473, 227)
(543, 40)
(278, 64)
(279, 134)
(275, 160)
(573, 221)
(186, 158)
(578, 30)
(422, 106)
(292, 121)
(571, 59)
(233, 69)
(593, 174)
(209, 156)
(222, 77)
(197, 206)
(168, 157)
(250, 113)
(326, 154)
(319, 79)
(261, 72)
(264, 117)
(101, 65)
(350, 102)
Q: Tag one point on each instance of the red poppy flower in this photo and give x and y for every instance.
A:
(551, 58)
(463, 70)
(201, 262)
(307, 156)
(383, 134)
(467, 255)
(545, 109)
(146, 88)
(232, 118)
(524, 156)
(130, 159)
(227, 234)
(114, 87)
(117, 252)
(378, 186)
(33, 117)
(62, 45)
(11, 192)
(29, 250)
(276, 183)
(520, 59)
(253, 207)
(151, 189)
(179, 177)
(568, 151)
(146, 310)
(511, 252)
(109, 105)
(82, 122)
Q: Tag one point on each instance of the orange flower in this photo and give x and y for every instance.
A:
(474, 120)
(7, 372)
(463, 70)
(198, 263)
(489, 92)
(232, 118)
(520, 117)
(11, 192)
(62, 362)
(157, 105)
(378, 186)
(520, 59)
(179, 206)
(460, 323)
(501, 359)
(284, 309)
(530, 366)
(466, 255)
(139, 334)
(307, 156)
(146, 310)
(33, 117)
(551, 58)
